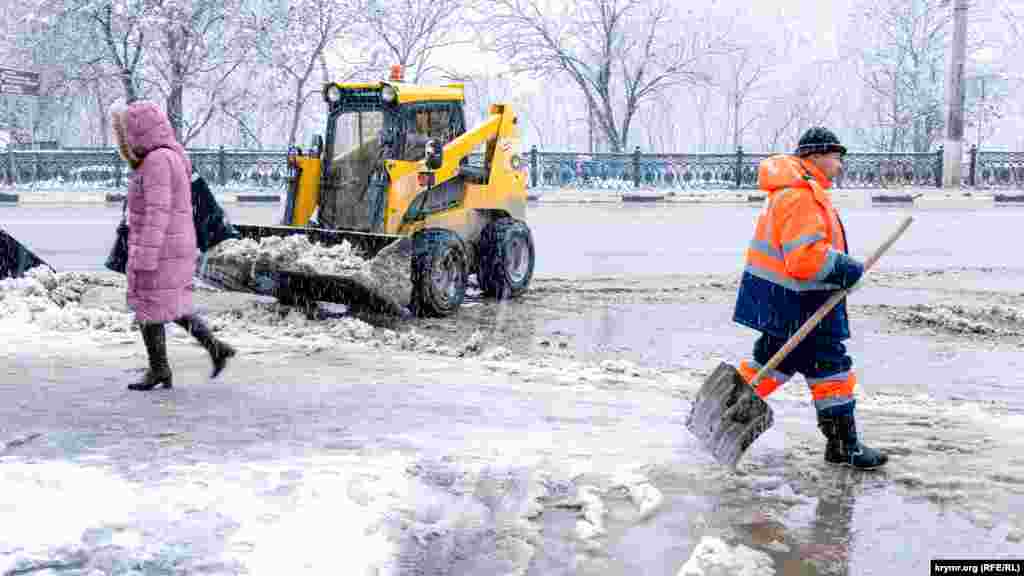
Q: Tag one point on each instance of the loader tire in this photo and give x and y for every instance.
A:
(506, 258)
(439, 273)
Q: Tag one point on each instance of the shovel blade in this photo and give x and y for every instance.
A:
(728, 415)
(15, 258)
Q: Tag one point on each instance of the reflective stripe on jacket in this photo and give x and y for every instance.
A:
(796, 242)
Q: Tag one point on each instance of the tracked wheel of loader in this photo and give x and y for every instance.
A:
(439, 272)
(506, 258)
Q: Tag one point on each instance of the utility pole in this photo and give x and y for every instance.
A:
(981, 113)
(954, 141)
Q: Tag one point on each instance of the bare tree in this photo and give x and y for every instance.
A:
(620, 54)
(1014, 18)
(124, 37)
(88, 54)
(413, 32)
(482, 89)
(748, 70)
(793, 112)
(201, 48)
(166, 46)
(902, 66)
(293, 41)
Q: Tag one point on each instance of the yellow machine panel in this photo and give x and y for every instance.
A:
(307, 194)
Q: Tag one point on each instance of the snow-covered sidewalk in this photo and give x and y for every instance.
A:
(336, 443)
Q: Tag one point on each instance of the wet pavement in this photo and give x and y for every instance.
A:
(549, 461)
(596, 240)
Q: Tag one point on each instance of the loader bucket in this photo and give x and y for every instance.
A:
(387, 289)
(15, 258)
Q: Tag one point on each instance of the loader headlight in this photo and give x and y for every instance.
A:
(388, 94)
(333, 94)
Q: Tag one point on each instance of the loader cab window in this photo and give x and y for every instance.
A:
(355, 130)
(440, 121)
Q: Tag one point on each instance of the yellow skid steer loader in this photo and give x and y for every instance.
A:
(395, 178)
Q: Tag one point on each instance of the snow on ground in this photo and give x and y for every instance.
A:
(287, 517)
(384, 515)
(959, 455)
(987, 321)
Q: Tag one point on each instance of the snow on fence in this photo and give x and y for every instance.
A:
(267, 169)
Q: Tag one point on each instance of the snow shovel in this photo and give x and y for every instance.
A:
(15, 258)
(728, 415)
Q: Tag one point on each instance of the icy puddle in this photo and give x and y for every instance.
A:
(762, 524)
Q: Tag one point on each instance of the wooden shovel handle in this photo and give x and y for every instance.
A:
(827, 307)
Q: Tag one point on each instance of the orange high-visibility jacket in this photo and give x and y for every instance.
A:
(798, 242)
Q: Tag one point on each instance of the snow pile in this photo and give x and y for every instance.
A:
(51, 301)
(646, 498)
(991, 321)
(274, 322)
(295, 253)
(714, 557)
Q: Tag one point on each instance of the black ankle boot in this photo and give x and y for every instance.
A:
(843, 446)
(219, 350)
(159, 372)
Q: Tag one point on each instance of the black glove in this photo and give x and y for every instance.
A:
(846, 272)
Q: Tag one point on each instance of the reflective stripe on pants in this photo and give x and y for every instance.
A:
(825, 366)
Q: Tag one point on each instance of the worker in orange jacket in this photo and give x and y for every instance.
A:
(796, 261)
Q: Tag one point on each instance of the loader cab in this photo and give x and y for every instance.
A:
(371, 127)
(395, 132)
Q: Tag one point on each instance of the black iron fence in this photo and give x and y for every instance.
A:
(739, 170)
(268, 169)
(103, 168)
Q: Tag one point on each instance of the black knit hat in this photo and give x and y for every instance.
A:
(819, 140)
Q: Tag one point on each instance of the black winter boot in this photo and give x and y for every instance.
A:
(159, 373)
(219, 350)
(843, 446)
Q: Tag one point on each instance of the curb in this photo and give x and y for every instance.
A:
(61, 198)
(248, 198)
(643, 197)
(1009, 198)
(893, 199)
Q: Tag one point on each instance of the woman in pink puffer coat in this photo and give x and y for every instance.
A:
(162, 240)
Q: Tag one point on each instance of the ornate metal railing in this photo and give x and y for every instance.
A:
(891, 170)
(102, 168)
(996, 169)
(718, 171)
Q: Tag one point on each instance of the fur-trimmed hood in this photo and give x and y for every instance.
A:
(141, 127)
